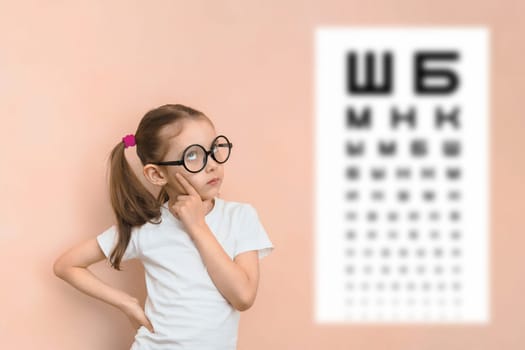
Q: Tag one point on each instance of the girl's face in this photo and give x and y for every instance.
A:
(193, 132)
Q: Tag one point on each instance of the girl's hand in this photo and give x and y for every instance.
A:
(136, 315)
(189, 208)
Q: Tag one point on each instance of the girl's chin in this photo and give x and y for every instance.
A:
(210, 194)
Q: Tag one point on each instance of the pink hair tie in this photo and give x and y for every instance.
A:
(129, 140)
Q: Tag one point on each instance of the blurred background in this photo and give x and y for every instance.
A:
(77, 76)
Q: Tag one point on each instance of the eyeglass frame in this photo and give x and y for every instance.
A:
(207, 153)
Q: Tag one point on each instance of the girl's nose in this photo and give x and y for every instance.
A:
(211, 163)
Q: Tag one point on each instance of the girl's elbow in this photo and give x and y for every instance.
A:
(60, 268)
(245, 302)
(242, 306)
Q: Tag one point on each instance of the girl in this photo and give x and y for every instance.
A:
(200, 253)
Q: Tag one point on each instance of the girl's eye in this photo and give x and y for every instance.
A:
(191, 155)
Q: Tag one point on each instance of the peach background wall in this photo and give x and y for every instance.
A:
(76, 76)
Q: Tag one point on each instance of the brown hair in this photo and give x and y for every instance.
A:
(132, 203)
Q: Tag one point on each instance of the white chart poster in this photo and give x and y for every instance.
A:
(402, 154)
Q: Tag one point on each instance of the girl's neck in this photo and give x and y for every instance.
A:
(209, 205)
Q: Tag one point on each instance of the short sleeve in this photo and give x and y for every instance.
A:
(108, 239)
(251, 234)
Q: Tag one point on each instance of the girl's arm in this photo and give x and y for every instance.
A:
(72, 268)
(236, 280)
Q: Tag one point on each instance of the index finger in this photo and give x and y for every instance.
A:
(186, 184)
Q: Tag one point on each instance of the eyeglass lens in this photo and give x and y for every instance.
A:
(195, 156)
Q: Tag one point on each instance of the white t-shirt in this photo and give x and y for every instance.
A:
(186, 309)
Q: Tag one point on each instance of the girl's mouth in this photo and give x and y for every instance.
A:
(213, 181)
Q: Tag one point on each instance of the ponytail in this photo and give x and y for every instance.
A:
(132, 203)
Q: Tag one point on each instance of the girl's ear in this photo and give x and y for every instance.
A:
(154, 175)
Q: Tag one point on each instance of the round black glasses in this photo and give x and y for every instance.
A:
(195, 157)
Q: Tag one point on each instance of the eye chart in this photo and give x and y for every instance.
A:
(402, 175)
